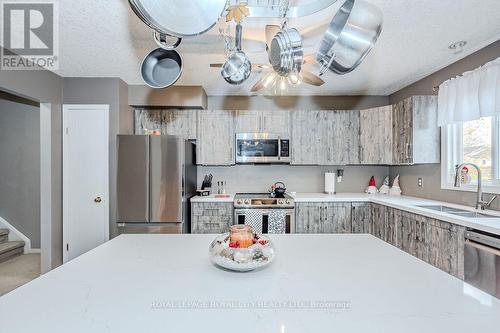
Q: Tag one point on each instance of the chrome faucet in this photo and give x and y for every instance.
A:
(480, 204)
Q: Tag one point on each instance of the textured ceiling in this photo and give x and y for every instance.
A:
(103, 38)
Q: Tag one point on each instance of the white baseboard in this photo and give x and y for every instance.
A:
(34, 251)
(16, 235)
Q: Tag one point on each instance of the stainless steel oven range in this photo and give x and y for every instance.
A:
(247, 204)
(264, 148)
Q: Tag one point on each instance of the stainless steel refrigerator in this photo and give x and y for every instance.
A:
(156, 178)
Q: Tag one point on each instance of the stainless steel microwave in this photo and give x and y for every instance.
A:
(262, 148)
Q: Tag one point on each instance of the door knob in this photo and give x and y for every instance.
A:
(98, 200)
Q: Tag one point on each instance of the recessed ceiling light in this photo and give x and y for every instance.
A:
(458, 47)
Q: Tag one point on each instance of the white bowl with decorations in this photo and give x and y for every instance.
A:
(232, 252)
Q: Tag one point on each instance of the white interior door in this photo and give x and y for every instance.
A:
(85, 178)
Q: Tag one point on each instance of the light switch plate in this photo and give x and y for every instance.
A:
(420, 182)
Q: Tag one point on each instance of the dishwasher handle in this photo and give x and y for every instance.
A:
(486, 239)
(482, 247)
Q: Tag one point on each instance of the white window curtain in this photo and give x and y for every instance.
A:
(471, 96)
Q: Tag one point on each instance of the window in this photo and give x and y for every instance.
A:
(474, 142)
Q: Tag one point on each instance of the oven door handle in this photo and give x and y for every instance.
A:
(279, 148)
(482, 247)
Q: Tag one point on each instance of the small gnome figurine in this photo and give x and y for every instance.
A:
(372, 186)
(384, 189)
(395, 189)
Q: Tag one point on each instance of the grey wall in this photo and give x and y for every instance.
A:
(295, 102)
(110, 91)
(20, 167)
(258, 178)
(431, 174)
(45, 87)
(424, 86)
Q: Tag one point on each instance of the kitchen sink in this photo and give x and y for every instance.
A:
(473, 214)
(457, 211)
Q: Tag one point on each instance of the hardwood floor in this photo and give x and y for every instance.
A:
(18, 271)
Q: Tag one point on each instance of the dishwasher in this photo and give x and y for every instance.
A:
(482, 261)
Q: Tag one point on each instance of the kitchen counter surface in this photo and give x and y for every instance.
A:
(405, 203)
(411, 204)
(335, 283)
(213, 198)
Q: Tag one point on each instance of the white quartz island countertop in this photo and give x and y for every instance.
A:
(318, 283)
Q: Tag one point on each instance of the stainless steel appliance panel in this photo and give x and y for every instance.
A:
(482, 262)
(133, 179)
(166, 180)
(240, 215)
(262, 148)
(149, 228)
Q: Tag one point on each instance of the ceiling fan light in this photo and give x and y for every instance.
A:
(294, 78)
(269, 80)
(283, 84)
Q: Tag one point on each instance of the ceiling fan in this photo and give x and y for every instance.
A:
(286, 60)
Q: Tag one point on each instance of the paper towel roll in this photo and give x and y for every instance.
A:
(330, 182)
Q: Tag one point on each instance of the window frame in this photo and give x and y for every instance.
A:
(452, 152)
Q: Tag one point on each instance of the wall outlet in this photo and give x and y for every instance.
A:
(420, 182)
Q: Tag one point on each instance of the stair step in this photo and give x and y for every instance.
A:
(4, 235)
(11, 249)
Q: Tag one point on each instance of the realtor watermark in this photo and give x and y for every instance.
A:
(30, 35)
(329, 305)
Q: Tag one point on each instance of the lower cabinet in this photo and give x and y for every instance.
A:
(211, 217)
(323, 218)
(446, 247)
(436, 242)
(361, 217)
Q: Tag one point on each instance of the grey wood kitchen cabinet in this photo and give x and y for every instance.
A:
(211, 217)
(376, 136)
(274, 121)
(436, 242)
(323, 218)
(168, 122)
(415, 136)
(446, 245)
(361, 218)
(306, 135)
(337, 218)
(379, 214)
(246, 121)
(308, 218)
(325, 137)
(215, 138)
(341, 134)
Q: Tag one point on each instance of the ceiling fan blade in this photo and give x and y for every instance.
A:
(216, 65)
(309, 59)
(271, 30)
(260, 66)
(264, 82)
(312, 79)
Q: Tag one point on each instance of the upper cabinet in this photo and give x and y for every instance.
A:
(276, 122)
(168, 122)
(341, 132)
(325, 137)
(307, 137)
(376, 136)
(402, 134)
(415, 135)
(215, 139)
